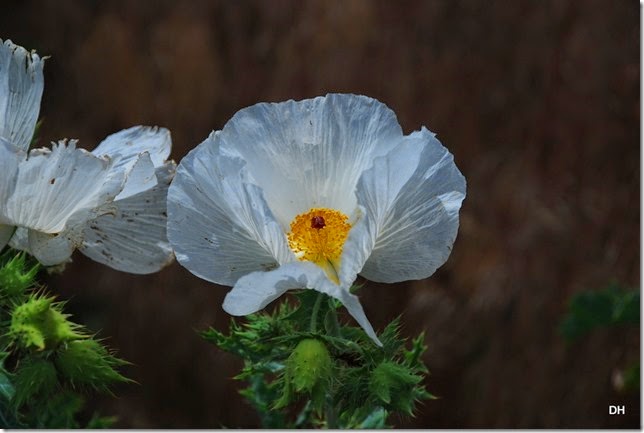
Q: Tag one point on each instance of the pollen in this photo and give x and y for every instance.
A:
(318, 236)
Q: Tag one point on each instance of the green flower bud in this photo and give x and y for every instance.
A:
(15, 277)
(309, 365)
(88, 363)
(39, 323)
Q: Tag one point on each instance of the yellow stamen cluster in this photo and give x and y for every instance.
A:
(318, 236)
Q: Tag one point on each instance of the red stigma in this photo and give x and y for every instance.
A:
(317, 222)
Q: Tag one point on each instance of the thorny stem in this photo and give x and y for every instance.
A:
(316, 309)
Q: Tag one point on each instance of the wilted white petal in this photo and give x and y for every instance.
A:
(53, 185)
(21, 87)
(133, 238)
(412, 198)
(219, 223)
(256, 290)
(310, 153)
(130, 143)
(140, 177)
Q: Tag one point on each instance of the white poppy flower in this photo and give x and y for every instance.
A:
(125, 230)
(310, 194)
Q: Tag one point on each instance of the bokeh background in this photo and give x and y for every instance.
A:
(539, 101)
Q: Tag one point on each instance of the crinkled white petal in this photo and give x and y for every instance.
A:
(130, 143)
(133, 238)
(53, 186)
(256, 290)
(310, 153)
(21, 87)
(218, 222)
(10, 158)
(411, 198)
(53, 249)
(126, 148)
(139, 178)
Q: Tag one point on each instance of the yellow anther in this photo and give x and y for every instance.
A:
(318, 236)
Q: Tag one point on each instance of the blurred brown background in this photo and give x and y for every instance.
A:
(537, 100)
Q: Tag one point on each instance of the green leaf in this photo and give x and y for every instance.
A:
(7, 389)
(604, 308)
(34, 377)
(375, 420)
(101, 422)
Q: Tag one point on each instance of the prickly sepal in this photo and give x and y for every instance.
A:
(39, 324)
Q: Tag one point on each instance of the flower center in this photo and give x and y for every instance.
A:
(318, 236)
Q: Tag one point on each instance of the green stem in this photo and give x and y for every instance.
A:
(334, 325)
(316, 309)
(330, 415)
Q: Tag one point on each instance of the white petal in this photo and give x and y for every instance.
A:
(141, 177)
(53, 249)
(133, 238)
(130, 143)
(54, 185)
(6, 232)
(412, 198)
(218, 223)
(256, 290)
(10, 158)
(20, 240)
(21, 87)
(310, 153)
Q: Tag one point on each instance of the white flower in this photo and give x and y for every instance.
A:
(310, 194)
(110, 203)
(125, 228)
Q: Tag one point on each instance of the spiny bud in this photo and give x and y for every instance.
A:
(88, 363)
(39, 323)
(309, 364)
(15, 276)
